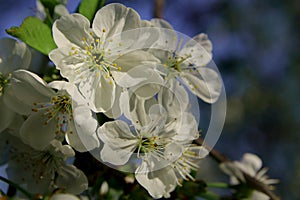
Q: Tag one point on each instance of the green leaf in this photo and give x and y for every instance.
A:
(34, 33)
(88, 8)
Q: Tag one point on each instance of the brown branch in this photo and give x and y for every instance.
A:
(251, 181)
(158, 8)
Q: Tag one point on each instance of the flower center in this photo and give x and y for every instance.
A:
(59, 109)
(174, 62)
(151, 145)
(94, 55)
(4, 81)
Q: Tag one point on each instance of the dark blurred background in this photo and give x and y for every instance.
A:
(256, 48)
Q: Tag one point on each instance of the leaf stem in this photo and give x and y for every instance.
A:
(25, 192)
(218, 185)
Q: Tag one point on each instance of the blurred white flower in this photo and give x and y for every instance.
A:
(250, 164)
(43, 171)
(52, 115)
(13, 55)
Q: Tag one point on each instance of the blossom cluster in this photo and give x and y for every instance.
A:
(140, 73)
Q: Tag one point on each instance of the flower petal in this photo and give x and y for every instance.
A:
(36, 133)
(207, 85)
(158, 183)
(30, 88)
(173, 97)
(13, 55)
(118, 139)
(70, 30)
(83, 137)
(115, 18)
(64, 197)
(71, 179)
(199, 48)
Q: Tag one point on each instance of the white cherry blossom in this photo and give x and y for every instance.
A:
(43, 171)
(61, 115)
(13, 55)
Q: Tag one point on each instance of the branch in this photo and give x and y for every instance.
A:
(251, 181)
(158, 8)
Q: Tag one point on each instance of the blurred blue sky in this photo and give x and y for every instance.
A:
(256, 48)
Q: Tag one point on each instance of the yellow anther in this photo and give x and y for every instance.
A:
(114, 64)
(86, 48)
(91, 33)
(76, 52)
(120, 44)
(83, 39)
(73, 48)
(119, 68)
(104, 30)
(97, 40)
(70, 53)
(111, 40)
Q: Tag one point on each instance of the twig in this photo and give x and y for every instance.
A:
(26, 193)
(251, 181)
(158, 8)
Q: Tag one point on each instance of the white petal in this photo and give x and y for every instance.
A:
(186, 128)
(200, 50)
(136, 58)
(60, 10)
(104, 95)
(115, 156)
(14, 103)
(65, 63)
(117, 137)
(116, 109)
(36, 133)
(64, 197)
(71, 179)
(13, 55)
(115, 18)
(70, 30)
(139, 110)
(151, 86)
(173, 97)
(71, 89)
(252, 161)
(83, 138)
(30, 88)
(207, 85)
(158, 183)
